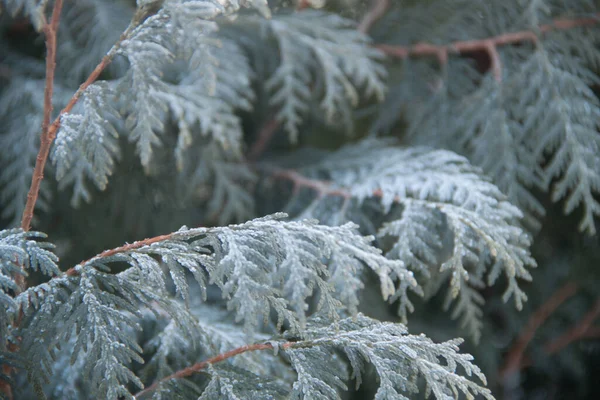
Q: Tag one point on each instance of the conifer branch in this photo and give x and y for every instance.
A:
(49, 131)
(50, 30)
(436, 221)
(487, 45)
(320, 187)
(216, 359)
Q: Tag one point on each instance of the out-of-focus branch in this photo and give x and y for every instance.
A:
(378, 10)
(216, 359)
(488, 45)
(514, 359)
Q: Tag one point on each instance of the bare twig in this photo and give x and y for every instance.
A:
(322, 188)
(264, 138)
(122, 249)
(49, 131)
(488, 45)
(299, 181)
(50, 30)
(216, 359)
(583, 329)
(378, 9)
(514, 359)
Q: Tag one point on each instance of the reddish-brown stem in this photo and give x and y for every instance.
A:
(583, 330)
(122, 249)
(378, 9)
(495, 62)
(49, 132)
(592, 333)
(580, 331)
(300, 181)
(50, 30)
(302, 4)
(514, 359)
(467, 46)
(216, 359)
(488, 45)
(264, 138)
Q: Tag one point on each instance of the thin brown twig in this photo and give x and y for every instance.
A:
(441, 52)
(580, 331)
(488, 45)
(378, 10)
(50, 30)
(121, 249)
(216, 359)
(514, 359)
(592, 333)
(300, 181)
(49, 132)
(264, 138)
(583, 330)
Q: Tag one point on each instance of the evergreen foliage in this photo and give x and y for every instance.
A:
(352, 171)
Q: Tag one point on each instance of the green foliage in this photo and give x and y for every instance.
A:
(411, 170)
(540, 116)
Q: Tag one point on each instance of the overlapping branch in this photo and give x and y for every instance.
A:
(50, 29)
(49, 130)
(488, 45)
(184, 373)
(582, 330)
(299, 181)
(516, 360)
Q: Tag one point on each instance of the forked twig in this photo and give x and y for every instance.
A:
(49, 131)
(517, 351)
(50, 30)
(489, 45)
